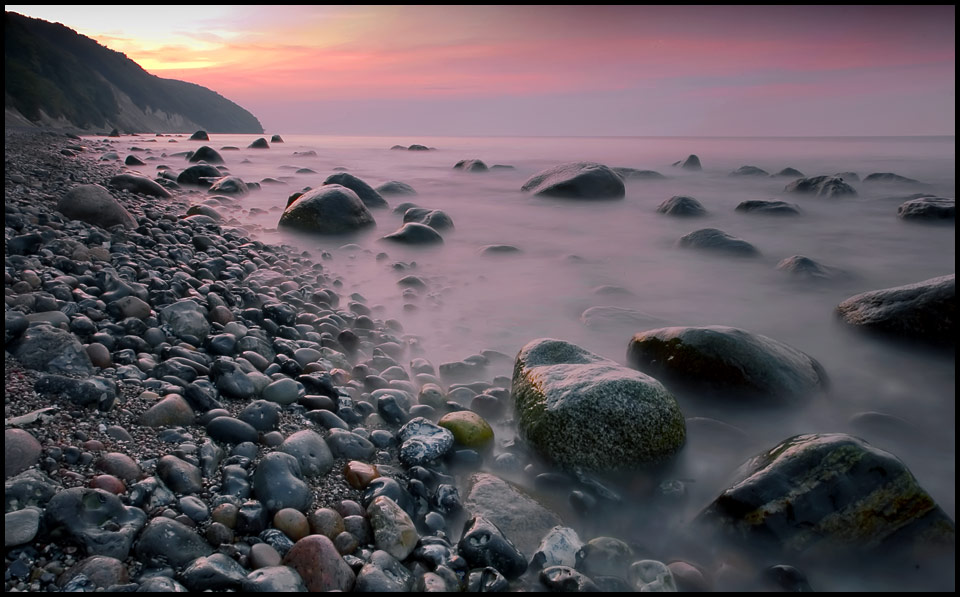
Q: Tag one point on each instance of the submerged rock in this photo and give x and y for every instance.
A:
(330, 209)
(579, 409)
(605, 317)
(828, 187)
(395, 187)
(712, 239)
(260, 143)
(749, 171)
(775, 208)
(744, 364)
(413, 233)
(889, 177)
(790, 172)
(577, 180)
(923, 311)
(434, 218)
(691, 163)
(634, 174)
(828, 493)
(928, 209)
(679, 205)
(521, 518)
(471, 166)
(804, 267)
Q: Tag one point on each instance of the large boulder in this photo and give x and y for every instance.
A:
(924, 310)
(680, 205)
(200, 136)
(330, 209)
(774, 208)
(367, 194)
(207, 154)
(522, 519)
(93, 204)
(579, 409)
(413, 233)
(395, 187)
(691, 163)
(471, 166)
(138, 184)
(828, 187)
(746, 365)
(749, 171)
(889, 177)
(199, 175)
(928, 209)
(229, 185)
(828, 493)
(186, 318)
(635, 174)
(434, 218)
(577, 180)
(50, 349)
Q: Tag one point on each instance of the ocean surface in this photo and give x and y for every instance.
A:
(575, 255)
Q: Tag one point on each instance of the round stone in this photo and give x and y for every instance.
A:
(469, 429)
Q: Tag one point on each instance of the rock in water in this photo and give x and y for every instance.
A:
(681, 206)
(828, 492)
(711, 239)
(749, 171)
(923, 311)
(828, 187)
(93, 204)
(776, 208)
(140, 185)
(579, 409)
(578, 180)
(928, 209)
(471, 166)
(413, 233)
(207, 154)
(691, 163)
(200, 136)
(729, 359)
(370, 197)
(330, 209)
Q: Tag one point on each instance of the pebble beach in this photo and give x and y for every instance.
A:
(188, 408)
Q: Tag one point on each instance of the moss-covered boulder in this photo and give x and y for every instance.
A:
(579, 409)
(741, 363)
(468, 428)
(826, 492)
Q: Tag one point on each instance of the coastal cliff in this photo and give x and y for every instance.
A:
(55, 77)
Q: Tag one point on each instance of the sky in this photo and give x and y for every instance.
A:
(552, 70)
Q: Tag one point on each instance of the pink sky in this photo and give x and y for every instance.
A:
(552, 70)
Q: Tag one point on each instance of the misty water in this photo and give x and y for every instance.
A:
(572, 252)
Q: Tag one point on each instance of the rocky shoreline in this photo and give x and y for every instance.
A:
(190, 409)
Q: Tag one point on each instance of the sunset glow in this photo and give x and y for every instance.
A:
(887, 67)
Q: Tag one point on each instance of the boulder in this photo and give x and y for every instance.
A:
(139, 185)
(395, 187)
(579, 409)
(260, 143)
(691, 163)
(471, 166)
(681, 206)
(207, 154)
(577, 180)
(889, 177)
(749, 171)
(522, 519)
(773, 208)
(924, 311)
(790, 172)
(827, 187)
(365, 192)
(928, 209)
(806, 268)
(229, 185)
(434, 218)
(711, 239)
(200, 136)
(413, 233)
(610, 318)
(330, 209)
(276, 139)
(745, 365)
(634, 174)
(186, 318)
(828, 493)
(50, 349)
(93, 204)
(199, 175)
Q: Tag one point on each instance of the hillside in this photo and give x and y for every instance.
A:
(55, 76)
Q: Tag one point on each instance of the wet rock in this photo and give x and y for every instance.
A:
(889, 177)
(95, 519)
(827, 187)
(393, 530)
(160, 584)
(231, 431)
(773, 208)
(29, 488)
(199, 175)
(20, 451)
(822, 493)
(21, 526)
(413, 233)
(471, 166)
(790, 172)
(579, 180)
(275, 579)
(681, 206)
(229, 185)
(565, 579)
(928, 209)
(611, 318)
(395, 187)
(749, 171)
(121, 466)
(200, 136)
(283, 391)
(259, 143)
(217, 572)
(311, 451)
(320, 566)
(923, 311)
(423, 442)
(718, 241)
(207, 154)
(179, 475)
(521, 518)
(605, 556)
(168, 541)
(278, 483)
(434, 218)
(186, 318)
(468, 428)
(99, 572)
(692, 163)
(330, 209)
(487, 580)
(744, 364)
(345, 444)
(651, 576)
(559, 547)
(46, 348)
(169, 412)
(806, 268)
(483, 544)
(634, 174)
(139, 185)
(365, 192)
(93, 204)
(261, 415)
(579, 409)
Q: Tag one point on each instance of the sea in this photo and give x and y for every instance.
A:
(575, 255)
